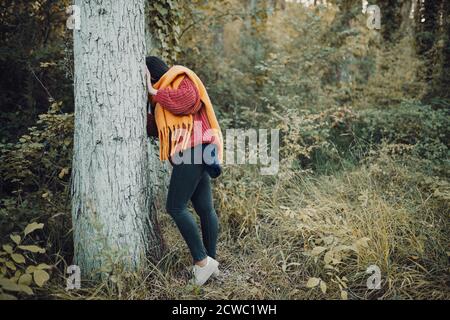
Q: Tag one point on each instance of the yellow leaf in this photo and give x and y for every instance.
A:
(25, 289)
(43, 266)
(363, 242)
(7, 248)
(9, 285)
(10, 265)
(5, 296)
(40, 277)
(33, 226)
(344, 295)
(63, 172)
(18, 258)
(323, 287)
(25, 279)
(312, 282)
(16, 238)
(30, 269)
(17, 275)
(328, 257)
(47, 64)
(32, 248)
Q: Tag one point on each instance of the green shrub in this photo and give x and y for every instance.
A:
(420, 126)
(35, 175)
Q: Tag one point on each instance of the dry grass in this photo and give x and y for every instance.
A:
(278, 232)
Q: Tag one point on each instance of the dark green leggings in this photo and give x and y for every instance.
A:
(190, 181)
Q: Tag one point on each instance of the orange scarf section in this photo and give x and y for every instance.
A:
(172, 128)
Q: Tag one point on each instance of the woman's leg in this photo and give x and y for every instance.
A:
(183, 182)
(203, 204)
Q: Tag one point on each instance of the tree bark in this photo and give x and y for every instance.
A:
(114, 223)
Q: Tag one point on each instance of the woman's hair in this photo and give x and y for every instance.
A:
(157, 67)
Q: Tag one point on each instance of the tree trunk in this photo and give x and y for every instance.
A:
(427, 28)
(114, 224)
(390, 18)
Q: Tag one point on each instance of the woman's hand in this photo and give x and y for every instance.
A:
(148, 77)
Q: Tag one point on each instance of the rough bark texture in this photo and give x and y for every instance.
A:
(114, 223)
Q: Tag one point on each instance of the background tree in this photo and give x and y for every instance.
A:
(111, 202)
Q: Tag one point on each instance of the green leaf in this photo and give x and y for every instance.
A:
(11, 265)
(32, 248)
(32, 226)
(16, 238)
(40, 277)
(18, 258)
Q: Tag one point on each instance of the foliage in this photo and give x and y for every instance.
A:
(35, 174)
(429, 137)
(165, 19)
(32, 62)
(364, 154)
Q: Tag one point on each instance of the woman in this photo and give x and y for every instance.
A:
(182, 117)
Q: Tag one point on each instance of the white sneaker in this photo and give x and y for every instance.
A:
(202, 274)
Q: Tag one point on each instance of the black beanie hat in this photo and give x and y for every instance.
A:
(157, 67)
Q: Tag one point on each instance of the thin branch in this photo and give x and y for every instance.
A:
(40, 82)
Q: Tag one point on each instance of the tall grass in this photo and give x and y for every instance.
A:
(278, 232)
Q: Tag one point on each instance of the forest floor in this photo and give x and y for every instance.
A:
(301, 236)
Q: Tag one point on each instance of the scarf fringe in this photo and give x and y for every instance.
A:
(174, 133)
(168, 123)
